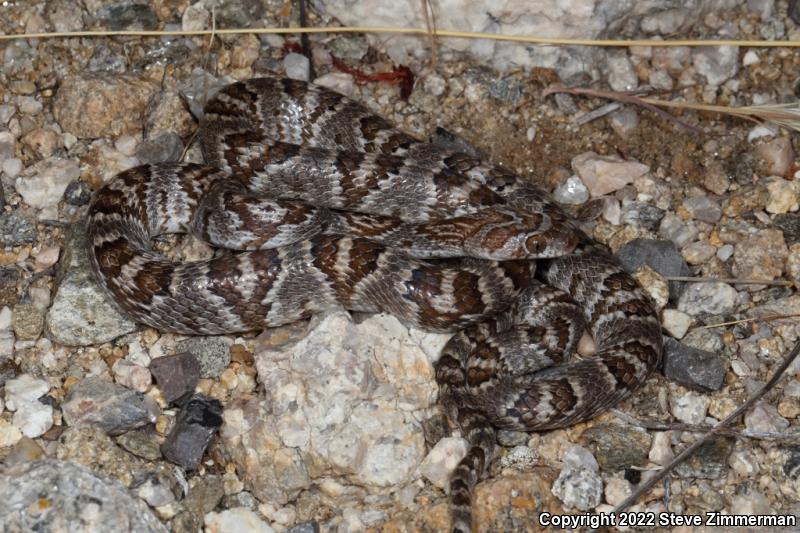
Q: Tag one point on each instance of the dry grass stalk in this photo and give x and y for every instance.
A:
(530, 39)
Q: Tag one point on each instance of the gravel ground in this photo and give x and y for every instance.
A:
(333, 425)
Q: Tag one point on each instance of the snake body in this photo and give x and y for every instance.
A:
(331, 206)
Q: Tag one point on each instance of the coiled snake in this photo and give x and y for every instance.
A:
(331, 206)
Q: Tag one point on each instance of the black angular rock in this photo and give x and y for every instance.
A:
(196, 424)
(694, 368)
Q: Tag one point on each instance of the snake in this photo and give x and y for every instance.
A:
(315, 203)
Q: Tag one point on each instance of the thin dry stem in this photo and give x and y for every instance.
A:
(415, 31)
(696, 428)
(766, 318)
(430, 25)
(735, 281)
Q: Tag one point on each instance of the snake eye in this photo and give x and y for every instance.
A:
(535, 244)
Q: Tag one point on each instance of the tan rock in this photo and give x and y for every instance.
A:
(102, 106)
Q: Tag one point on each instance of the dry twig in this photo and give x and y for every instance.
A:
(712, 432)
(530, 39)
(622, 97)
(697, 428)
(786, 115)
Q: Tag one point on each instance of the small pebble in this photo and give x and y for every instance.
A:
(703, 208)
(764, 418)
(783, 196)
(654, 285)
(689, 407)
(195, 18)
(28, 321)
(43, 184)
(672, 227)
(23, 390)
(744, 463)
(675, 322)
(33, 418)
(579, 457)
(130, 375)
(708, 298)
(521, 458)
(236, 519)
(605, 174)
(339, 82)
(578, 488)
(440, 462)
(9, 434)
(571, 192)
(620, 73)
(12, 167)
(725, 252)
(716, 63)
(176, 375)
(698, 252)
(213, 353)
(777, 155)
(296, 66)
(624, 122)
(617, 489)
(750, 58)
(661, 451)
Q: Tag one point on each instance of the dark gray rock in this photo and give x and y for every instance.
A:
(17, 229)
(143, 443)
(165, 148)
(791, 466)
(710, 461)
(128, 16)
(794, 11)
(697, 369)
(176, 375)
(195, 425)
(789, 224)
(507, 89)
(238, 13)
(617, 447)
(644, 215)
(213, 353)
(660, 255)
(107, 61)
(510, 438)
(703, 208)
(8, 369)
(50, 495)
(447, 139)
(112, 407)
(77, 193)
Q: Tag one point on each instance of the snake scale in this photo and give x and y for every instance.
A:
(328, 205)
